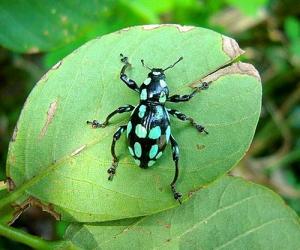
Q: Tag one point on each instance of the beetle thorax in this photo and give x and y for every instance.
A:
(154, 88)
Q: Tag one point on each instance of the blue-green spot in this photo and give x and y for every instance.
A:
(153, 151)
(162, 97)
(142, 111)
(158, 155)
(129, 127)
(143, 95)
(137, 149)
(162, 83)
(150, 163)
(168, 133)
(141, 131)
(159, 112)
(155, 133)
(131, 151)
(147, 81)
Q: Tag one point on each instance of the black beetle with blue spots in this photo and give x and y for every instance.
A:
(148, 129)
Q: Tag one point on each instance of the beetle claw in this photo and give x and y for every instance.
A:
(177, 195)
(201, 129)
(96, 124)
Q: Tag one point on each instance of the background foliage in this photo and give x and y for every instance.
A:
(35, 36)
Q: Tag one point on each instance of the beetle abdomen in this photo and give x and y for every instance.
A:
(148, 133)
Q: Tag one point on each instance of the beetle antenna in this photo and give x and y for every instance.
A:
(171, 66)
(145, 64)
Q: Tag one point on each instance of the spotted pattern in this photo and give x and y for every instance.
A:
(158, 155)
(143, 95)
(153, 151)
(168, 133)
(155, 133)
(162, 97)
(131, 151)
(129, 127)
(162, 83)
(137, 162)
(140, 131)
(128, 108)
(142, 111)
(147, 81)
(159, 112)
(150, 163)
(137, 149)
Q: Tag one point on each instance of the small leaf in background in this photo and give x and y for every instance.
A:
(229, 214)
(58, 159)
(34, 26)
(250, 8)
(292, 30)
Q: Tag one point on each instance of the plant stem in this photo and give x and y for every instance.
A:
(31, 240)
(20, 236)
(11, 197)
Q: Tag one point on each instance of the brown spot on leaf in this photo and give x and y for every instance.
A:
(231, 47)
(77, 151)
(200, 146)
(45, 77)
(151, 26)
(33, 202)
(181, 28)
(50, 114)
(15, 133)
(10, 184)
(190, 193)
(164, 224)
(184, 28)
(235, 68)
(57, 65)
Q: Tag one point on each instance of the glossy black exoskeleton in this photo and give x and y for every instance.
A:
(148, 129)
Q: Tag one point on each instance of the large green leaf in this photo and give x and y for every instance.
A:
(32, 26)
(57, 158)
(229, 214)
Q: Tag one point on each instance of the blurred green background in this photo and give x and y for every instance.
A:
(34, 35)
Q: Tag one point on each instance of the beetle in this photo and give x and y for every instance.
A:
(148, 129)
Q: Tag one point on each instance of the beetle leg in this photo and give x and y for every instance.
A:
(184, 117)
(129, 82)
(175, 150)
(185, 98)
(120, 110)
(112, 170)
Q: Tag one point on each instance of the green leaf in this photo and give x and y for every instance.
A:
(229, 214)
(249, 8)
(57, 158)
(32, 26)
(292, 28)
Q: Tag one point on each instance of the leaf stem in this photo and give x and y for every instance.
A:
(31, 240)
(11, 197)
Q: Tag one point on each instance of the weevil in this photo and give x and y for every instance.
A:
(148, 129)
